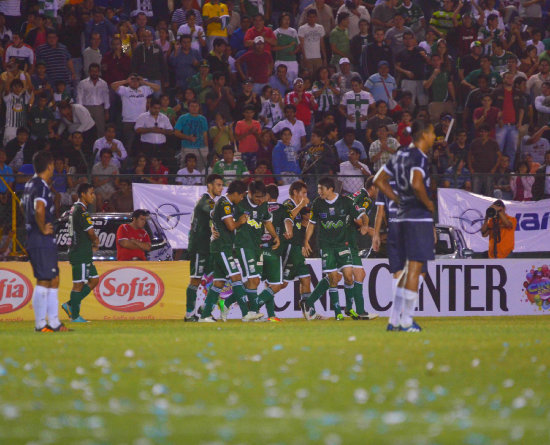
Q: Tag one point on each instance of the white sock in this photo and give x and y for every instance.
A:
(420, 281)
(411, 298)
(397, 307)
(40, 306)
(53, 308)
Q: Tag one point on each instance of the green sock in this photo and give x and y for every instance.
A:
(305, 295)
(85, 291)
(211, 300)
(230, 300)
(358, 297)
(253, 302)
(191, 297)
(74, 302)
(334, 300)
(320, 289)
(240, 294)
(348, 291)
(266, 297)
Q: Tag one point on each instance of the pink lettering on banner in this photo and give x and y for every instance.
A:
(15, 291)
(129, 289)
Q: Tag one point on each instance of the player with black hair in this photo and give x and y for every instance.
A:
(84, 242)
(39, 210)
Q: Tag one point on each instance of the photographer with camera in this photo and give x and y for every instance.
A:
(500, 228)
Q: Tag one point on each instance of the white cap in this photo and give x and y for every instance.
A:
(344, 60)
(259, 39)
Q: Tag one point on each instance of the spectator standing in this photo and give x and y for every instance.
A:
(304, 102)
(148, 61)
(521, 183)
(410, 64)
(534, 83)
(103, 28)
(356, 13)
(110, 142)
(375, 122)
(414, 18)
(215, 16)
(323, 13)
(312, 41)
(483, 160)
(218, 60)
(17, 101)
(37, 36)
(443, 21)
(93, 93)
(394, 35)
(236, 41)
(58, 62)
(382, 85)
(260, 30)
(184, 61)
(92, 54)
(153, 127)
(220, 99)
(40, 118)
(132, 240)
(541, 186)
(228, 167)
(247, 134)
(259, 64)
(440, 89)
(501, 180)
(326, 93)
(287, 46)
(383, 148)
(103, 178)
(355, 107)
(339, 39)
(21, 52)
(352, 172)
(375, 53)
(536, 145)
(192, 129)
(343, 79)
(134, 92)
(359, 42)
(189, 175)
(487, 115)
(383, 14)
(317, 159)
(196, 32)
(285, 159)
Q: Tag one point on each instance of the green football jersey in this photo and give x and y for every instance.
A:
(223, 208)
(280, 214)
(299, 230)
(199, 235)
(80, 250)
(333, 219)
(363, 204)
(249, 235)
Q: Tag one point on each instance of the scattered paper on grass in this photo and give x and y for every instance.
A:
(129, 353)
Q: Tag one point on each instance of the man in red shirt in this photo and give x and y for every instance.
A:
(304, 102)
(259, 29)
(512, 104)
(132, 241)
(259, 64)
(157, 169)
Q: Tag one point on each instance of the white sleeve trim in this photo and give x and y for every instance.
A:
(312, 222)
(227, 216)
(387, 171)
(40, 199)
(417, 169)
(91, 227)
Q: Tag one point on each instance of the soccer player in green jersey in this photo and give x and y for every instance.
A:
(331, 213)
(224, 266)
(199, 241)
(294, 263)
(363, 201)
(248, 239)
(84, 242)
(272, 270)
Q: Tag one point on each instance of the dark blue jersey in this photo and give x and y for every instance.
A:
(401, 167)
(390, 207)
(37, 190)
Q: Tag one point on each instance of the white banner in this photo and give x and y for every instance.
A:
(173, 205)
(467, 211)
(452, 288)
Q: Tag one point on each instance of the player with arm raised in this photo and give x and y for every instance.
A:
(248, 239)
(363, 201)
(294, 263)
(331, 213)
(224, 266)
(272, 269)
(414, 229)
(84, 242)
(199, 242)
(39, 210)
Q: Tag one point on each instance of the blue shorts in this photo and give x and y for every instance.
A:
(44, 263)
(396, 262)
(415, 240)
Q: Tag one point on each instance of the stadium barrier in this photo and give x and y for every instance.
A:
(156, 290)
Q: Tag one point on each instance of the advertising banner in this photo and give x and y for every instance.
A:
(156, 290)
(173, 205)
(467, 211)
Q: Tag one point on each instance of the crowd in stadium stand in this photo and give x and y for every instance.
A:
(169, 91)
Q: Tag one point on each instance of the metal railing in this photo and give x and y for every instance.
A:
(15, 243)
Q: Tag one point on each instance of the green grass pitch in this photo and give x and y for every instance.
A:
(467, 381)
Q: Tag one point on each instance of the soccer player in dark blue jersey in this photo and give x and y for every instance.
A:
(413, 222)
(39, 210)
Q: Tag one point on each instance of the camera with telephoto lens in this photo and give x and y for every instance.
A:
(491, 212)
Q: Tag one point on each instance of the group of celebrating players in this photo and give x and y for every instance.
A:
(247, 227)
(246, 236)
